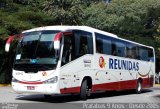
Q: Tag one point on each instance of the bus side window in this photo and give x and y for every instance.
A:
(67, 50)
(114, 52)
(120, 48)
(129, 51)
(83, 45)
(107, 47)
(150, 55)
(132, 51)
(143, 54)
(146, 54)
(99, 45)
(103, 44)
(83, 42)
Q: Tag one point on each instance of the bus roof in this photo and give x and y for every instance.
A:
(67, 28)
(86, 28)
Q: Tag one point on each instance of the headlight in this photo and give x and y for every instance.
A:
(52, 80)
(14, 80)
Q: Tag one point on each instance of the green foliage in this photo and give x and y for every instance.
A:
(3, 32)
(135, 20)
(16, 17)
(64, 11)
(125, 17)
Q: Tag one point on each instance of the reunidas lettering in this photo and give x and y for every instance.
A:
(123, 64)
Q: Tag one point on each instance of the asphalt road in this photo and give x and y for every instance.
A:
(7, 95)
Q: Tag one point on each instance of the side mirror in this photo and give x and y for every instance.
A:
(7, 46)
(57, 39)
(56, 45)
(10, 39)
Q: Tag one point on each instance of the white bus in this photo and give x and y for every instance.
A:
(79, 59)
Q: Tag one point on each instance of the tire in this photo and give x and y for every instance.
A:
(47, 96)
(139, 87)
(83, 91)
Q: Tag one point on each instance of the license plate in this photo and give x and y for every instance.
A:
(30, 87)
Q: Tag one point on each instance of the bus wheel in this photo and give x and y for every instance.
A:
(83, 91)
(139, 87)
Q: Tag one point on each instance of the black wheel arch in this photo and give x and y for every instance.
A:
(140, 79)
(89, 81)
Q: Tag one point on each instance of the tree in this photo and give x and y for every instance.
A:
(125, 17)
(128, 19)
(64, 11)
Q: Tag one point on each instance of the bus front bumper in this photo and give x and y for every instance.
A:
(36, 88)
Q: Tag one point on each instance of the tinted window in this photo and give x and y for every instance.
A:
(110, 46)
(120, 48)
(150, 55)
(83, 43)
(132, 51)
(116, 47)
(77, 44)
(67, 50)
(103, 44)
(146, 54)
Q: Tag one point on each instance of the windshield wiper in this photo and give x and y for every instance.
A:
(46, 67)
(33, 67)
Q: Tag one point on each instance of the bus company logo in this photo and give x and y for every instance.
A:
(123, 64)
(102, 62)
(44, 73)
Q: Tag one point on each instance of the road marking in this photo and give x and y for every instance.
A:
(157, 85)
(2, 85)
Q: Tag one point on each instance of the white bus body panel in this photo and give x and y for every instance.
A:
(73, 73)
(122, 78)
(35, 80)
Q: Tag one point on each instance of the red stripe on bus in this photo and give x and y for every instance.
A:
(33, 83)
(58, 36)
(10, 39)
(70, 90)
(121, 85)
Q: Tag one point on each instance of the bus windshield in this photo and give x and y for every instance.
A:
(36, 52)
